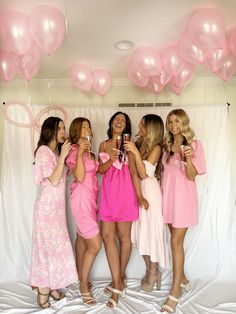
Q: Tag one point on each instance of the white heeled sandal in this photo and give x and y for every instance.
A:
(169, 308)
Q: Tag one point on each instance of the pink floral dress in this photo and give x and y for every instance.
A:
(52, 261)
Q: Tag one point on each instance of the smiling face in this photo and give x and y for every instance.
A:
(61, 132)
(86, 129)
(174, 125)
(118, 124)
(142, 129)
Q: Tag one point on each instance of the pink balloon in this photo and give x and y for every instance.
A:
(136, 77)
(171, 60)
(206, 28)
(185, 76)
(215, 58)
(7, 65)
(228, 68)
(28, 64)
(190, 52)
(15, 32)
(81, 77)
(163, 78)
(175, 88)
(147, 61)
(154, 84)
(48, 28)
(101, 81)
(232, 41)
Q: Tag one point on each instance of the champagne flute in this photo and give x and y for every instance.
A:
(126, 137)
(89, 138)
(118, 142)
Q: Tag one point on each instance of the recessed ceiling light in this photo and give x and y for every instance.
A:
(124, 45)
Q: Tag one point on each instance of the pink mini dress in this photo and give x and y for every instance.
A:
(118, 201)
(83, 196)
(180, 200)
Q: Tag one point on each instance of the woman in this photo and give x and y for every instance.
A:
(118, 204)
(183, 160)
(149, 234)
(52, 262)
(83, 199)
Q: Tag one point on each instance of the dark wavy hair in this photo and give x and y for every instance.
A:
(127, 128)
(49, 130)
(75, 129)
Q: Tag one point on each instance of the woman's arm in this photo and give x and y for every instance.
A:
(79, 171)
(58, 171)
(190, 170)
(142, 202)
(103, 167)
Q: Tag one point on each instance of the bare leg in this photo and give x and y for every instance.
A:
(93, 247)
(147, 262)
(124, 236)
(80, 248)
(177, 240)
(112, 252)
(43, 297)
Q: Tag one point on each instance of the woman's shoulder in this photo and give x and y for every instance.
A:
(103, 145)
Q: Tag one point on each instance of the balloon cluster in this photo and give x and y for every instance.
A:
(82, 77)
(24, 36)
(204, 42)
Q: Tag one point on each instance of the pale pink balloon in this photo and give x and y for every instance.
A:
(163, 78)
(15, 32)
(147, 61)
(136, 77)
(81, 77)
(172, 62)
(228, 69)
(232, 41)
(206, 28)
(154, 84)
(185, 76)
(190, 52)
(7, 65)
(215, 58)
(175, 88)
(102, 81)
(28, 64)
(47, 27)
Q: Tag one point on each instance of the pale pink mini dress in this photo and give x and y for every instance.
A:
(180, 199)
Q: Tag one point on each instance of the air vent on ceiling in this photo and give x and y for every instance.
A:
(146, 104)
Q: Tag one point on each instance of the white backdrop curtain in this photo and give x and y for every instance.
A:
(210, 246)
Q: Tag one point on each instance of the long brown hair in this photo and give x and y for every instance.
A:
(75, 129)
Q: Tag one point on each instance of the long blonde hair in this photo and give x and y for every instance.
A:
(154, 127)
(186, 131)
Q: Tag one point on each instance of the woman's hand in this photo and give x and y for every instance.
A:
(131, 147)
(65, 148)
(142, 202)
(84, 145)
(114, 154)
(188, 152)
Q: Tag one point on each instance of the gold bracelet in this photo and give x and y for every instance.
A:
(61, 163)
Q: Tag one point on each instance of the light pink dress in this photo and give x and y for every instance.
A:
(180, 200)
(52, 262)
(149, 234)
(83, 196)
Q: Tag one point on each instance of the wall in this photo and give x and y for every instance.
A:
(203, 90)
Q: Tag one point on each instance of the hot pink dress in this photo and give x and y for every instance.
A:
(149, 234)
(52, 262)
(118, 198)
(83, 196)
(180, 201)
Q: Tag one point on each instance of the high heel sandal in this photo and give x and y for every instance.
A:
(45, 304)
(165, 307)
(185, 287)
(145, 277)
(112, 301)
(88, 299)
(155, 280)
(60, 296)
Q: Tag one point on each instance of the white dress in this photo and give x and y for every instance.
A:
(149, 235)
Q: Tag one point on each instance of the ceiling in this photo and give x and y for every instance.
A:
(93, 27)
